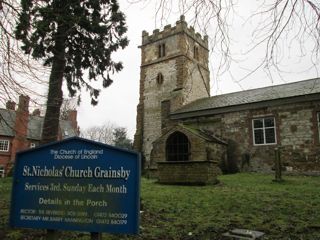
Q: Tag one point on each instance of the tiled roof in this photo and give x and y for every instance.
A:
(7, 122)
(35, 127)
(66, 129)
(302, 88)
(7, 119)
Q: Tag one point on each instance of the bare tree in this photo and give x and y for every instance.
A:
(287, 23)
(103, 133)
(279, 25)
(18, 74)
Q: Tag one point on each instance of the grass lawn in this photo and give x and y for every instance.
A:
(288, 210)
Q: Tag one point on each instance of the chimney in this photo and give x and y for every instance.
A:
(72, 117)
(36, 112)
(21, 126)
(23, 105)
(11, 105)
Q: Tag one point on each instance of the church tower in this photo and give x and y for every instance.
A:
(174, 72)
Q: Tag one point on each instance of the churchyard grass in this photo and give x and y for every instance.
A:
(286, 210)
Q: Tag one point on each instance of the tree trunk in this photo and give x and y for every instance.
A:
(50, 130)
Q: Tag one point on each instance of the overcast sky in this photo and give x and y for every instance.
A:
(117, 104)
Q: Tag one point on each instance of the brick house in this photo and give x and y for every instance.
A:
(21, 130)
(180, 126)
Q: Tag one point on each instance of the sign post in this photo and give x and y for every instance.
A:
(52, 234)
(96, 236)
(79, 185)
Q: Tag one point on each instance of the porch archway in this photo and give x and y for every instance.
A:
(177, 147)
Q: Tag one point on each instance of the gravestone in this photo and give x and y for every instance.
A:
(243, 234)
(278, 165)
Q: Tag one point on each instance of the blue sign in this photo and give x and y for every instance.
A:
(77, 184)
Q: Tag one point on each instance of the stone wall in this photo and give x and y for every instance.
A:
(196, 84)
(300, 148)
(296, 134)
(5, 157)
(153, 96)
(189, 173)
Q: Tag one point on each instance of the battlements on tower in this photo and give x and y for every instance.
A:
(181, 26)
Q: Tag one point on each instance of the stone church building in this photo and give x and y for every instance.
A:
(184, 133)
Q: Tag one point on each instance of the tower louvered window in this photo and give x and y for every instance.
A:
(196, 52)
(162, 50)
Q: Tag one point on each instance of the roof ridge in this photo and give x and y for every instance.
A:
(272, 86)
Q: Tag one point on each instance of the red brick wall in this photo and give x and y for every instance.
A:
(6, 156)
(21, 126)
(72, 117)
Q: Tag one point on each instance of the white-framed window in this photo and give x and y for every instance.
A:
(264, 131)
(32, 145)
(4, 145)
(2, 171)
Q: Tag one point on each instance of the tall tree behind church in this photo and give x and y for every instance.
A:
(72, 36)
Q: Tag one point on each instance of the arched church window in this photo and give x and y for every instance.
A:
(159, 78)
(177, 147)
